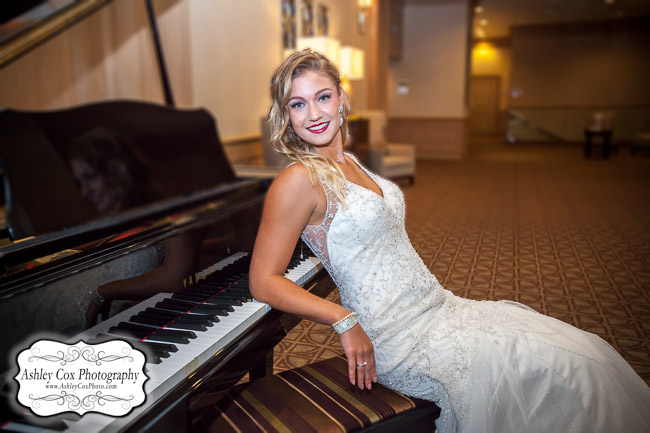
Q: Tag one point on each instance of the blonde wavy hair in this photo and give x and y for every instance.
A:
(284, 138)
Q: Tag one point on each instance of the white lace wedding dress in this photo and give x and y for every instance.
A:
(490, 366)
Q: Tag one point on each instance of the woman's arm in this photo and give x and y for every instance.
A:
(291, 203)
(181, 260)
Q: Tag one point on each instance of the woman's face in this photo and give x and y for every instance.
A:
(314, 109)
(94, 187)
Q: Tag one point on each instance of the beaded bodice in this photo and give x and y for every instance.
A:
(365, 248)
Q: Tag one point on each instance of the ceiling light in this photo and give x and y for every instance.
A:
(483, 22)
(478, 10)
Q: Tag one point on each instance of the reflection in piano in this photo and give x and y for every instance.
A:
(70, 251)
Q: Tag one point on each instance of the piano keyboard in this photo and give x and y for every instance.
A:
(167, 368)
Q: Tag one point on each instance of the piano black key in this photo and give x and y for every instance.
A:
(195, 291)
(181, 309)
(152, 353)
(184, 310)
(243, 294)
(164, 332)
(160, 353)
(156, 334)
(181, 323)
(198, 307)
(183, 296)
(184, 318)
(206, 319)
(223, 303)
(239, 288)
(199, 295)
(148, 345)
(151, 321)
(208, 284)
(157, 322)
(230, 297)
(206, 299)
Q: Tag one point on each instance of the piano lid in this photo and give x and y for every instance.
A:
(180, 151)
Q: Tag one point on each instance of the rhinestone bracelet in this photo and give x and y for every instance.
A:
(346, 323)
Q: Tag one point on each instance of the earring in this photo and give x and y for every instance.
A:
(340, 115)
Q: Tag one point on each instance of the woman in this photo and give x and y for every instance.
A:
(490, 366)
(113, 178)
(109, 173)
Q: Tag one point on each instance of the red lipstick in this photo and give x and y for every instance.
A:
(319, 128)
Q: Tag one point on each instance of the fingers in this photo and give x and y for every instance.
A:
(361, 357)
(352, 369)
(371, 372)
(367, 372)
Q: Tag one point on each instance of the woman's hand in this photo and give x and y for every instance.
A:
(359, 350)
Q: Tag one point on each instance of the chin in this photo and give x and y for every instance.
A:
(319, 140)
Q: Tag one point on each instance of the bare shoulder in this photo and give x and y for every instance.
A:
(295, 178)
(293, 191)
(295, 173)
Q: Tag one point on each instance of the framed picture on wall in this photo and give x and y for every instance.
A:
(307, 18)
(288, 24)
(322, 21)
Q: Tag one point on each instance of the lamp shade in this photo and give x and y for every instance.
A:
(324, 45)
(352, 63)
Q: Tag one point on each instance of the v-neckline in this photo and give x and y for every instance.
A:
(382, 196)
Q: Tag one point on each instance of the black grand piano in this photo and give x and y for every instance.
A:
(57, 248)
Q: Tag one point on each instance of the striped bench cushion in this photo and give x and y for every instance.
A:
(316, 398)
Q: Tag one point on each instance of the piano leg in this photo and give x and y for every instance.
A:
(264, 367)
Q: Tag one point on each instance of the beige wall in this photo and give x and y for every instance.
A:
(236, 45)
(433, 63)
(434, 67)
(219, 55)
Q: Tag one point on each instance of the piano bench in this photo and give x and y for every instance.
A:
(318, 398)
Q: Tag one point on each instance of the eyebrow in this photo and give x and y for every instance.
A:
(316, 94)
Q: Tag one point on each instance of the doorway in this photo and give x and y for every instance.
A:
(484, 93)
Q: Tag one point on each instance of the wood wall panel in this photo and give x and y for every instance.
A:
(244, 151)
(434, 138)
(175, 39)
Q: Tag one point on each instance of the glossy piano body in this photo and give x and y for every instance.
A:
(63, 248)
(49, 279)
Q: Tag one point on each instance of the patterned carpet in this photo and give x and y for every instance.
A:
(541, 225)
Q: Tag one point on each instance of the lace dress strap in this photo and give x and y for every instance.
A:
(316, 235)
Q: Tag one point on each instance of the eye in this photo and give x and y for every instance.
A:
(296, 105)
(325, 97)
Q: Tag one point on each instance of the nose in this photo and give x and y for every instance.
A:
(315, 112)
